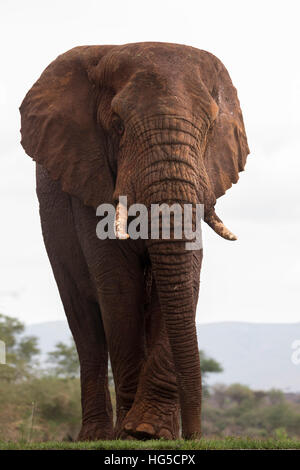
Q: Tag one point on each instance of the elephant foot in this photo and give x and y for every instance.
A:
(145, 422)
(95, 432)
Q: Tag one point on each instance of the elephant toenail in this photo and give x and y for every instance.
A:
(146, 428)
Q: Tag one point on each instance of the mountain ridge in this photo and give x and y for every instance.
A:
(254, 354)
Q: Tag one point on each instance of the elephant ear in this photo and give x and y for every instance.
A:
(59, 126)
(227, 148)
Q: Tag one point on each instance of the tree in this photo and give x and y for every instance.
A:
(20, 350)
(208, 366)
(241, 395)
(66, 364)
(65, 360)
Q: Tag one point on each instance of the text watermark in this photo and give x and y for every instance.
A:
(162, 221)
(2, 353)
(295, 357)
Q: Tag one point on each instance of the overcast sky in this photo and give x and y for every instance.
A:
(254, 279)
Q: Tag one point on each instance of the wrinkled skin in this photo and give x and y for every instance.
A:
(158, 123)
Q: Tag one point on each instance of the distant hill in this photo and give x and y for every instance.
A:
(258, 355)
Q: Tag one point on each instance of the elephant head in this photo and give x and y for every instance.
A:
(155, 122)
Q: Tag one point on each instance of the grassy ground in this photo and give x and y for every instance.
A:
(203, 444)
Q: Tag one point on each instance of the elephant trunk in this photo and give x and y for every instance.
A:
(172, 266)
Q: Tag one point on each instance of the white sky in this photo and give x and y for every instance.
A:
(253, 279)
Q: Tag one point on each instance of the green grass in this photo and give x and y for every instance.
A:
(203, 444)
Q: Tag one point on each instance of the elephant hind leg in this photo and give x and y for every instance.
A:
(80, 305)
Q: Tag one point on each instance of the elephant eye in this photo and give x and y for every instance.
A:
(118, 125)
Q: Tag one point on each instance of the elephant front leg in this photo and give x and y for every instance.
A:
(120, 290)
(126, 345)
(155, 411)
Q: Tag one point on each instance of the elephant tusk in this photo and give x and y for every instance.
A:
(217, 225)
(120, 222)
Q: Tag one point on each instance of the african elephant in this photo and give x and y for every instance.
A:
(159, 123)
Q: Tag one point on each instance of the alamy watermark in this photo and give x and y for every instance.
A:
(2, 353)
(295, 357)
(164, 221)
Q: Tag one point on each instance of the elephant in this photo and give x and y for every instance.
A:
(157, 123)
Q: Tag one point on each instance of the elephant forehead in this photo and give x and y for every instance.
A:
(156, 62)
(159, 75)
(155, 91)
(146, 52)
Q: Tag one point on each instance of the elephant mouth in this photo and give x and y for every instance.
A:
(210, 218)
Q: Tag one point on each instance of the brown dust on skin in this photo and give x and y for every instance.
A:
(155, 122)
